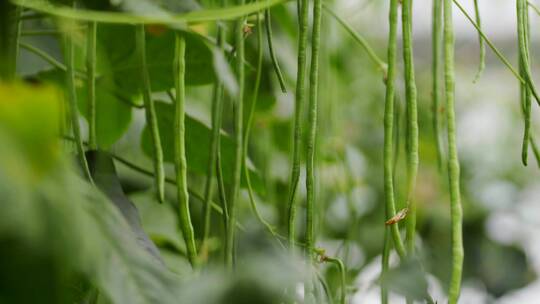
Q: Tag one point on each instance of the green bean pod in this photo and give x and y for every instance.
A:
(412, 121)
(312, 127)
(303, 9)
(151, 117)
(238, 138)
(453, 161)
(180, 161)
(436, 77)
(390, 208)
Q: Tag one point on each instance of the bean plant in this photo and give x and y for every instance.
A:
(147, 159)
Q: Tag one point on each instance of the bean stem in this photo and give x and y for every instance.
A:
(303, 9)
(381, 65)
(151, 117)
(390, 206)
(453, 161)
(238, 137)
(69, 50)
(412, 122)
(342, 278)
(385, 261)
(91, 83)
(273, 57)
(482, 63)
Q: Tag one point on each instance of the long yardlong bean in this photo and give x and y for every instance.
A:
(412, 121)
(180, 149)
(436, 77)
(453, 161)
(151, 117)
(312, 127)
(388, 127)
(217, 113)
(238, 137)
(303, 6)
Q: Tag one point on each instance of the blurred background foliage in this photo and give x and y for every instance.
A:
(63, 242)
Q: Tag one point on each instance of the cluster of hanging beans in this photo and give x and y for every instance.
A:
(306, 97)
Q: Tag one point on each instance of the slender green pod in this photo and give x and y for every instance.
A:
(436, 40)
(453, 161)
(303, 9)
(273, 57)
(390, 206)
(151, 118)
(91, 83)
(238, 137)
(524, 59)
(217, 113)
(482, 63)
(249, 123)
(180, 161)
(312, 127)
(412, 122)
(69, 53)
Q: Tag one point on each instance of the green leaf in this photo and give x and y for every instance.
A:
(197, 143)
(49, 212)
(113, 116)
(105, 178)
(159, 221)
(118, 42)
(208, 15)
